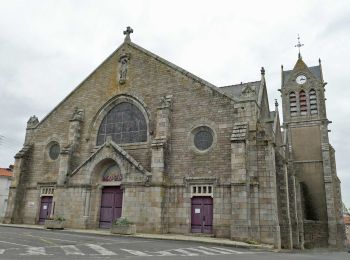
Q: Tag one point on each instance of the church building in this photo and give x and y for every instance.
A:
(144, 139)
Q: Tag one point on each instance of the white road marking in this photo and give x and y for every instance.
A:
(201, 251)
(186, 253)
(215, 250)
(135, 252)
(71, 250)
(101, 250)
(51, 238)
(35, 251)
(5, 242)
(2, 251)
(164, 253)
(232, 251)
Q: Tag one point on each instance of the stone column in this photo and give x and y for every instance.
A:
(269, 221)
(240, 184)
(67, 153)
(328, 183)
(293, 208)
(64, 165)
(161, 138)
(17, 192)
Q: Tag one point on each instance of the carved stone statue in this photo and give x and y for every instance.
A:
(123, 67)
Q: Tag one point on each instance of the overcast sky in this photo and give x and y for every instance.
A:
(48, 47)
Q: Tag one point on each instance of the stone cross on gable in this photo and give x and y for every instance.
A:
(127, 33)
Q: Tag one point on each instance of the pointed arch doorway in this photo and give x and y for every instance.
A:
(111, 196)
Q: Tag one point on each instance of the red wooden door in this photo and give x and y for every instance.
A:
(45, 208)
(111, 205)
(202, 215)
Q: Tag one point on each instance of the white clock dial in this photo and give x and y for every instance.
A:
(301, 79)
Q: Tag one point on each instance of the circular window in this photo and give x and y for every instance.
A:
(203, 138)
(54, 151)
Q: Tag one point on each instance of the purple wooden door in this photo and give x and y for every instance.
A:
(202, 215)
(45, 208)
(111, 205)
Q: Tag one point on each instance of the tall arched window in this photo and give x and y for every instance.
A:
(125, 123)
(302, 103)
(293, 104)
(313, 102)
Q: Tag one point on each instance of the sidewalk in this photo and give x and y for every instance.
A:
(202, 239)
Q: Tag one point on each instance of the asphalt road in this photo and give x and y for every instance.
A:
(21, 243)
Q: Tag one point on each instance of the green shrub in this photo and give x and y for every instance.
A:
(59, 218)
(122, 222)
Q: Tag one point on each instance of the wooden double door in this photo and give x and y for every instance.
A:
(111, 205)
(202, 215)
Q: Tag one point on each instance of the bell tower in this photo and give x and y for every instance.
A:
(311, 157)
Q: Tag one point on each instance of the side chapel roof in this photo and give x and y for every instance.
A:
(236, 90)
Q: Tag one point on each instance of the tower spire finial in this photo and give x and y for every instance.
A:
(299, 45)
(127, 33)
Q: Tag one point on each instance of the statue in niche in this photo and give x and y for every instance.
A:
(123, 67)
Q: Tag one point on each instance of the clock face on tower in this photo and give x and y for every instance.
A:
(301, 79)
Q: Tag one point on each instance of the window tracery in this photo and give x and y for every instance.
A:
(125, 123)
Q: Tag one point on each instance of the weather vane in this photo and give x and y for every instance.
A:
(299, 45)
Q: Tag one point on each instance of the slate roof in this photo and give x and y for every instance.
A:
(315, 70)
(5, 172)
(236, 90)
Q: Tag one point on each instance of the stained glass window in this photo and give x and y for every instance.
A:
(203, 138)
(54, 151)
(125, 123)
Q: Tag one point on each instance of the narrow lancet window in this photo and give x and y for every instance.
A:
(302, 103)
(313, 102)
(293, 104)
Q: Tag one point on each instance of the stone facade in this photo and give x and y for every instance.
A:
(222, 146)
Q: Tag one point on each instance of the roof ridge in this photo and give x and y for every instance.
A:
(179, 69)
(242, 83)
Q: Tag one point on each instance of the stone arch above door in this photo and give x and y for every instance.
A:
(89, 172)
